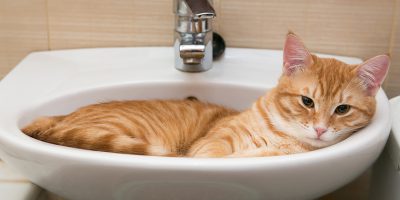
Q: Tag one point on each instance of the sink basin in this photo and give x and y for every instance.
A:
(58, 82)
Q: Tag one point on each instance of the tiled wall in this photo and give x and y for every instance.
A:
(361, 28)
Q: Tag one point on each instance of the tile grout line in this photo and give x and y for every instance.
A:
(15, 181)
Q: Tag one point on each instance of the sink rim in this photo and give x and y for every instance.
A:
(183, 163)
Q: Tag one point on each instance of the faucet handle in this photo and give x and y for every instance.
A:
(198, 9)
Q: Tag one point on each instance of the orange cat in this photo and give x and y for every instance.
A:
(317, 102)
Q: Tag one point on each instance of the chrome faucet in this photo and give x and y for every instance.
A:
(193, 35)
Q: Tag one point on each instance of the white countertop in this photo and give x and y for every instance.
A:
(13, 186)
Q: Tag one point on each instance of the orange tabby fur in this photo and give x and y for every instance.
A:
(164, 128)
(278, 123)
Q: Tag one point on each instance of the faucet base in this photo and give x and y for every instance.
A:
(192, 69)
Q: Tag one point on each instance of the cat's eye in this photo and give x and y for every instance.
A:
(342, 109)
(308, 102)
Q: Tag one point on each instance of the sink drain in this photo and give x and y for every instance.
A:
(192, 98)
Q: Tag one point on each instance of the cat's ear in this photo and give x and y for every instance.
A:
(295, 55)
(372, 73)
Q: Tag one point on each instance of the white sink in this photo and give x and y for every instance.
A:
(57, 82)
(385, 175)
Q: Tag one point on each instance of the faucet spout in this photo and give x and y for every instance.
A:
(193, 35)
(200, 8)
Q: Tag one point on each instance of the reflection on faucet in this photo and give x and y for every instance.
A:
(193, 35)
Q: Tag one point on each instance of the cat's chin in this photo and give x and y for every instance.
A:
(317, 143)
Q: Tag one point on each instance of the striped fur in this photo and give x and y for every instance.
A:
(164, 128)
(278, 123)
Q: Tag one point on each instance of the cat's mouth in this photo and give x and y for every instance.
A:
(317, 139)
(318, 142)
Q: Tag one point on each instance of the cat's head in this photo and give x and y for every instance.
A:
(321, 101)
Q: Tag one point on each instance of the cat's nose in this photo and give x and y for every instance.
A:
(320, 131)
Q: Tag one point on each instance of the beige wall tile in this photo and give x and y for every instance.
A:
(354, 28)
(23, 29)
(104, 23)
(392, 84)
(217, 8)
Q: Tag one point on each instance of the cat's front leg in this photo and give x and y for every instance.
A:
(210, 147)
